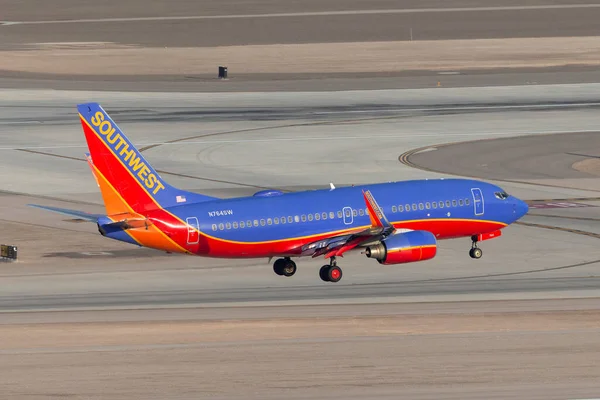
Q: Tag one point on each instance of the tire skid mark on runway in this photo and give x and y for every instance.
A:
(558, 228)
(43, 153)
(309, 14)
(323, 289)
(563, 217)
(47, 226)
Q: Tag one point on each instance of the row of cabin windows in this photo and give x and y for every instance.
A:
(331, 215)
(432, 205)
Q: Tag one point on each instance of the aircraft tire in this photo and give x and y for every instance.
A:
(476, 253)
(278, 266)
(323, 273)
(334, 273)
(289, 268)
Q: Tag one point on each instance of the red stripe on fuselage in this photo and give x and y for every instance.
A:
(442, 229)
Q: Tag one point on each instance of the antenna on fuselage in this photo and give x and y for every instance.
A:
(331, 186)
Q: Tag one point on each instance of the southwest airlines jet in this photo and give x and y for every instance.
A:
(393, 223)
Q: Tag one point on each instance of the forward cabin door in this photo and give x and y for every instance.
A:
(192, 224)
(478, 203)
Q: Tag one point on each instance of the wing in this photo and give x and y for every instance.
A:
(73, 213)
(338, 245)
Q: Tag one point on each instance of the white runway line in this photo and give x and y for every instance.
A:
(318, 138)
(309, 14)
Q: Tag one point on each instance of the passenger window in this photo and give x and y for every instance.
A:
(339, 214)
(276, 220)
(414, 207)
(401, 208)
(460, 202)
(269, 221)
(303, 218)
(214, 227)
(332, 215)
(361, 212)
(228, 225)
(317, 216)
(407, 207)
(242, 224)
(441, 204)
(354, 213)
(262, 222)
(296, 218)
(447, 203)
(310, 217)
(347, 212)
(467, 201)
(221, 227)
(434, 204)
(235, 225)
(249, 223)
(427, 205)
(394, 209)
(324, 215)
(255, 222)
(421, 206)
(454, 203)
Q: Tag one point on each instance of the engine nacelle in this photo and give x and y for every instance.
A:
(404, 248)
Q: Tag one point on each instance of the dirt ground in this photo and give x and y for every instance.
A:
(447, 55)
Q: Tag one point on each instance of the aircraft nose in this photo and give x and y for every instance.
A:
(520, 208)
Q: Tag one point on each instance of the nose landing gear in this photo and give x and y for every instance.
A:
(475, 251)
(331, 272)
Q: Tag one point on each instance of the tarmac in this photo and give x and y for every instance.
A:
(85, 317)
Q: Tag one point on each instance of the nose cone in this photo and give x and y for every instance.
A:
(520, 208)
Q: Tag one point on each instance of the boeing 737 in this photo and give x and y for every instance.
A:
(393, 223)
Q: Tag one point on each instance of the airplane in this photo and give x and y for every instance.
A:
(393, 223)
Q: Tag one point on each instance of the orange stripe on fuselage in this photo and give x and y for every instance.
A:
(151, 237)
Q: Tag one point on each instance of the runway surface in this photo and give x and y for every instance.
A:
(193, 24)
(85, 317)
(285, 45)
(109, 316)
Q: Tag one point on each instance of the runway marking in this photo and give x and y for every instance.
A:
(558, 205)
(320, 138)
(308, 14)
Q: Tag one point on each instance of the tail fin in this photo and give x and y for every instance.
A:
(127, 181)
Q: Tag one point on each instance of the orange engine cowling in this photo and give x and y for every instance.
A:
(404, 248)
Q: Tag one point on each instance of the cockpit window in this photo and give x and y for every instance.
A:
(501, 195)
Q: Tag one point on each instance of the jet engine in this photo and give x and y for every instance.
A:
(404, 248)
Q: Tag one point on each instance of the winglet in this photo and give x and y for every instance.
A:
(378, 218)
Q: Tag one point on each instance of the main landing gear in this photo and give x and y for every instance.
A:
(475, 251)
(328, 273)
(331, 272)
(284, 267)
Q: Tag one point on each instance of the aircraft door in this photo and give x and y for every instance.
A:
(192, 224)
(348, 217)
(478, 201)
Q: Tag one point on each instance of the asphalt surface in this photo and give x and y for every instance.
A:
(277, 22)
(525, 158)
(82, 316)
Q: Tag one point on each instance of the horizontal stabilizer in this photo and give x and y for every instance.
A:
(71, 213)
(124, 222)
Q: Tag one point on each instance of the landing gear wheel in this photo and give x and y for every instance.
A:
(284, 267)
(476, 253)
(323, 273)
(334, 273)
(289, 269)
